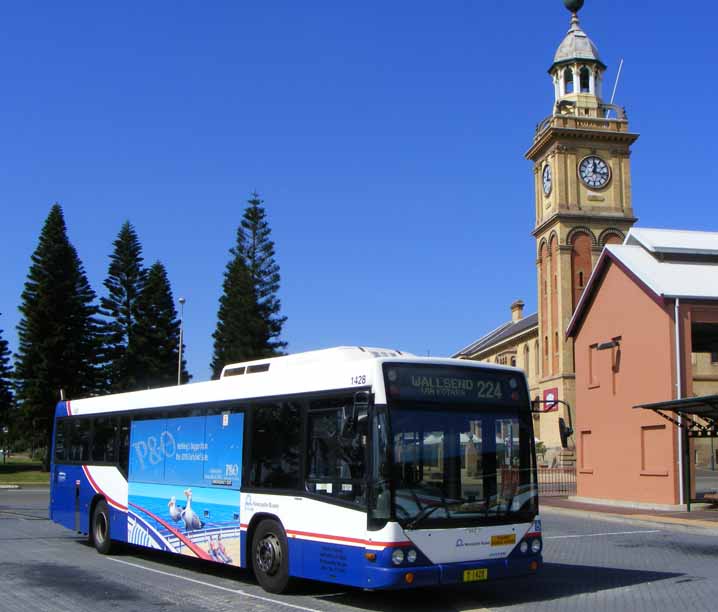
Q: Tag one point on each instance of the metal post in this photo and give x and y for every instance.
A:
(179, 360)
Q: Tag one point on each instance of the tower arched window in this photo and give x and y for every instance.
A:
(568, 81)
(585, 78)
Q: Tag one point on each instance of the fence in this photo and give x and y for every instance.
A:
(557, 482)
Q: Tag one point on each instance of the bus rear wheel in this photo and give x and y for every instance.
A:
(100, 528)
(270, 556)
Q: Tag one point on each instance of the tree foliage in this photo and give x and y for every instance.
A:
(58, 332)
(158, 332)
(6, 395)
(248, 321)
(124, 283)
(255, 245)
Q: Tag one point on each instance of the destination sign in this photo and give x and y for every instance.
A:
(454, 384)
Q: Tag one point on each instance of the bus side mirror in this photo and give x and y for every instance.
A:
(564, 431)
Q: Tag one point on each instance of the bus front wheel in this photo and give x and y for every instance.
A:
(101, 527)
(270, 556)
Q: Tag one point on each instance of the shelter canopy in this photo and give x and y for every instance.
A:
(699, 415)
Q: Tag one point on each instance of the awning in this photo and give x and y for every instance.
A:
(699, 415)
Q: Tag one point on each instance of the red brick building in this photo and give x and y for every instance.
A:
(645, 331)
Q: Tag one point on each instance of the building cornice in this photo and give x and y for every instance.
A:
(583, 217)
(551, 134)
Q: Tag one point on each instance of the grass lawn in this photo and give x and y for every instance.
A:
(20, 469)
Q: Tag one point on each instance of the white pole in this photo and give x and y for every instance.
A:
(615, 85)
(679, 396)
(179, 360)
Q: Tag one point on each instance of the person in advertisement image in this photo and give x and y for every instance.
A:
(194, 459)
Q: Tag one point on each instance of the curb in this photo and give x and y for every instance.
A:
(677, 524)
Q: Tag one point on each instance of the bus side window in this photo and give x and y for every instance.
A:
(123, 444)
(103, 440)
(60, 440)
(336, 460)
(275, 444)
(79, 440)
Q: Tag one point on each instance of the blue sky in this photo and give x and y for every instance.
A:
(386, 138)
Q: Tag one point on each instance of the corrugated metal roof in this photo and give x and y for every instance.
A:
(674, 241)
(501, 333)
(670, 263)
(666, 278)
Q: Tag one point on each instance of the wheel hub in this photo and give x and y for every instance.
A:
(268, 554)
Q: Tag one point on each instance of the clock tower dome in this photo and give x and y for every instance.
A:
(581, 161)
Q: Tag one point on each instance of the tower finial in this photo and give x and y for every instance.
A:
(573, 5)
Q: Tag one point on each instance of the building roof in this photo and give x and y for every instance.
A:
(501, 333)
(669, 264)
(675, 242)
(576, 46)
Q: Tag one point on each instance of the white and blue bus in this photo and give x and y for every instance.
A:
(363, 467)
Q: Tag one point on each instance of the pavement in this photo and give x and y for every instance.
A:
(702, 516)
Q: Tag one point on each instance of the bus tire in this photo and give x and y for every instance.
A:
(100, 528)
(270, 556)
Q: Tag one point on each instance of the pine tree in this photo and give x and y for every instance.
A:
(248, 321)
(58, 331)
(158, 332)
(6, 396)
(124, 283)
(256, 247)
(238, 319)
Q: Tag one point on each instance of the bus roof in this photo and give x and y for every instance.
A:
(312, 371)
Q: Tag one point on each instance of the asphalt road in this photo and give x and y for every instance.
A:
(590, 565)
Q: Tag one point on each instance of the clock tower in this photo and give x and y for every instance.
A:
(581, 161)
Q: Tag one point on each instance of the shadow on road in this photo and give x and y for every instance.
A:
(555, 581)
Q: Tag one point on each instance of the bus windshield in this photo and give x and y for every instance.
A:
(462, 466)
(460, 443)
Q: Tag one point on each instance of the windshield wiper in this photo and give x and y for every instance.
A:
(424, 514)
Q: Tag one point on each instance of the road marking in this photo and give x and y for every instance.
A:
(596, 535)
(215, 586)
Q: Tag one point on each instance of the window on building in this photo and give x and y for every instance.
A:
(593, 380)
(527, 360)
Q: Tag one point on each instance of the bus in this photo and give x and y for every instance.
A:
(358, 466)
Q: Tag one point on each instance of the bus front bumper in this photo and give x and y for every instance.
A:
(451, 573)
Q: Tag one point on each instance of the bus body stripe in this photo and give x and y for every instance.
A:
(97, 489)
(310, 536)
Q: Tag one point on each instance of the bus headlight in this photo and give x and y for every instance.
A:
(524, 547)
(411, 556)
(397, 557)
(535, 546)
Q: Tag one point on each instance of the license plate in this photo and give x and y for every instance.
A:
(503, 540)
(473, 575)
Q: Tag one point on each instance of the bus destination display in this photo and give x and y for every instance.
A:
(465, 385)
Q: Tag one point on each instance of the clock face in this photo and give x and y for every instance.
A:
(594, 172)
(547, 179)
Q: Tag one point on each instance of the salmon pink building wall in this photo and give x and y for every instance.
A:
(625, 454)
